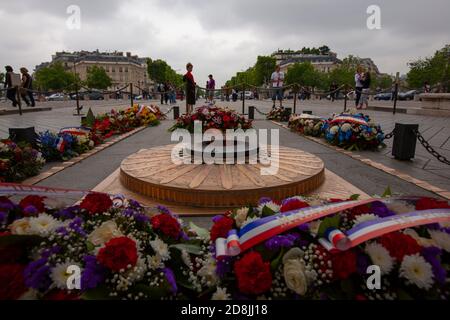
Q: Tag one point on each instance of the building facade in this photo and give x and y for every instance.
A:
(321, 62)
(122, 68)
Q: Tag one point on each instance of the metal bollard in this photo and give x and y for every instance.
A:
(251, 112)
(176, 112)
(404, 145)
(286, 114)
(27, 135)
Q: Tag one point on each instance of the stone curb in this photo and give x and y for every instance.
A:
(64, 165)
(420, 183)
(5, 112)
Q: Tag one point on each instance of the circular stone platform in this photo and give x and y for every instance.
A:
(152, 173)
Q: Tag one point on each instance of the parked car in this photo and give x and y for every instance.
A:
(56, 97)
(340, 96)
(383, 96)
(248, 95)
(408, 95)
(91, 95)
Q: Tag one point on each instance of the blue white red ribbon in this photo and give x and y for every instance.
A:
(61, 145)
(351, 119)
(76, 131)
(265, 228)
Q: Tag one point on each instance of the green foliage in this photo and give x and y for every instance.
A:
(161, 72)
(98, 78)
(2, 77)
(329, 222)
(434, 70)
(304, 74)
(257, 75)
(55, 77)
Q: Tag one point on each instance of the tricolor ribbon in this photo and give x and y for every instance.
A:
(350, 119)
(265, 228)
(76, 131)
(375, 228)
(61, 144)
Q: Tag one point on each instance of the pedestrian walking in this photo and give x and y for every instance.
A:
(333, 91)
(277, 80)
(211, 86)
(188, 78)
(27, 87)
(11, 89)
(366, 82)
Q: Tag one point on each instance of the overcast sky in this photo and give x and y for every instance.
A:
(223, 36)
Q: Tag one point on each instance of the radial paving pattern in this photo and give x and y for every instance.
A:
(152, 173)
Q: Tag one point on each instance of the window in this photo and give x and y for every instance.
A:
(113, 69)
(126, 69)
(120, 69)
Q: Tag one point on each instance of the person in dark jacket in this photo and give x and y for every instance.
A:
(27, 86)
(190, 88)
(11, 91)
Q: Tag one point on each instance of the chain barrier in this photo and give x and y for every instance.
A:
(430, 149)
(389, 135)
(260, 112)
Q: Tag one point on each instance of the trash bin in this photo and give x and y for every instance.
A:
(251, 112)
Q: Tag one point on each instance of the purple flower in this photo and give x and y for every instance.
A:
(304, 227)
(62, 230)
(7, 204)
(278, 242)
(77, 226)
(134, 203)
(67, 213)
(37, 275)
(141, 218)
(431, 255)
(93, 273)
(264, 200)
(170, 277)
(163, 209)
(223, 266)
(30, 211)
(3, 217)
(46, 253)
(362, 262)
(381, 210)
(217, 218)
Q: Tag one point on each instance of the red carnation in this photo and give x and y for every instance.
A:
(399, 245)
(96, 203)
(344, 264)
(357, 211)
(34, 201)
(221, 227)
(118, 254)
(10, 254)
(253, 274)
(293, 204)
(12, 283)
(430, 203)
(61, 295)
(167, 224)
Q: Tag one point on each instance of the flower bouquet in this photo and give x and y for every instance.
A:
(333, 257)
(18, 161)
(353, 132)
(307, 124)
(64, 146)
(120, 249)
(277, 114)
(212, 118)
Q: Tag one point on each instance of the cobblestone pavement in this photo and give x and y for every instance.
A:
(424, 167)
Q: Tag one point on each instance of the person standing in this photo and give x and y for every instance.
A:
(11, 91)
(366, 81)
(333, 91)
(27, 87)
(358, 85)
(166, 89)
(277, 80)
(188, 78)
(211, 86)
(426, 87)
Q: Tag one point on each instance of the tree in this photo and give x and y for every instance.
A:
(98, 78)
(2, 77)
(161, 72)
(324, 50)
(434, 70)
(303, 74)
(55, 77)
(263, 69)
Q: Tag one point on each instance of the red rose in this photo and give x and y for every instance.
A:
(12, 283)
(96, 203)
(357, 211)
(430, 203)
(344, 264)
(221, 227)
(61, 295)
(10, 254)
(399, 245)
(253, 274)
(293, 204)
(226, 118)
(118, 253)
(34, 201)
(167, 224)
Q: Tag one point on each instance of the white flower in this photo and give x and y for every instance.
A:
(423, 242)
(380, 256)
(107, 231)
(271, 205)
(186, 258)
(3, 147)
(208, 271)
(249, 220)
(346, 127)
(314, 226)
(241, 216)
(44, 224)
(292, 254)
(161, 248)
(295, 276)
(138, 271)
(400, 207)
(364, 217)
(59, 274)
(221, 294)
(20, 226)
(441, 239)
(91, 144)
(334, 130)
(417, 271)
(155, 262)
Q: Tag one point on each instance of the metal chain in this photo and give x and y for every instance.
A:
(262, 113)
(168, 111)
(389, 135)
(430, 149)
